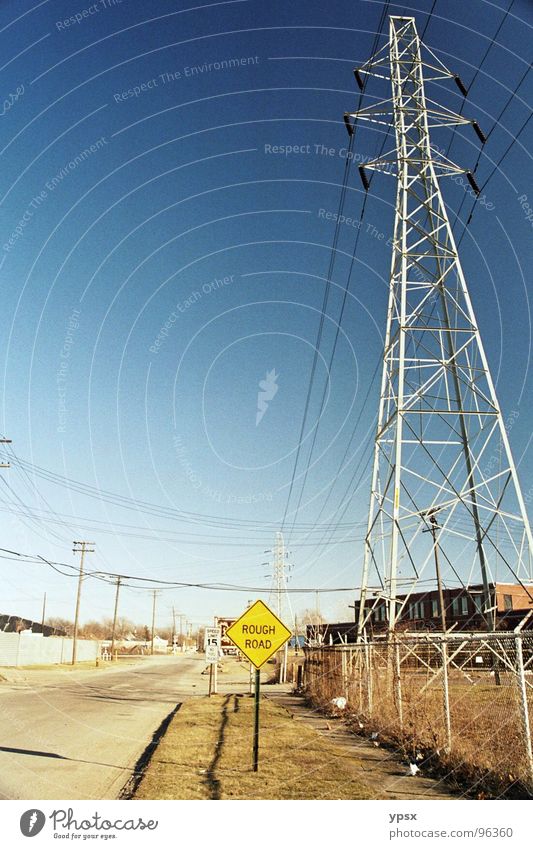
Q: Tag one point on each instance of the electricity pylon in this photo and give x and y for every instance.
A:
(441, 443)
(278, 592)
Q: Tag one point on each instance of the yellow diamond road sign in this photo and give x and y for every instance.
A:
(258, 634)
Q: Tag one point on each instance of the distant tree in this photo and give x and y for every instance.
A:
(311, 619)
(310, 616)
(93, 630)
(125, 627)
(60, 624)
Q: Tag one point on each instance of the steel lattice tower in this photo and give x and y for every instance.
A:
(278, 590)
(440, 426)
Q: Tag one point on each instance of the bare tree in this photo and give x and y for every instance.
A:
(312, 620)
(60, 624)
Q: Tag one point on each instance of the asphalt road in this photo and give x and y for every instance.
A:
(77, 735)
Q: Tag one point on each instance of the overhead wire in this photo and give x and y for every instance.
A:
(150, 508)
(342, 309)
(478, 70)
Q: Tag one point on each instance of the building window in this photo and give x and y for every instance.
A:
(380, 615)
(434, 608)
(508, 602)
(478, 604)
(459, 605)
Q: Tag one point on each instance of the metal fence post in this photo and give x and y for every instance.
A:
(446, 693)
(398, 681)
(369, 677)
(344, 662)
(524, 709)
(359, 668)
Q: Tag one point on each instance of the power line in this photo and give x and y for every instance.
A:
(502, 157)
(151, 508)
(333, 256)
(484, 185)
(477, 72)
(347, 166)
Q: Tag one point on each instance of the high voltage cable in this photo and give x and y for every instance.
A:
(210, 585)
(122, 529)
(325, 299)
(149, 507)
(340, 468)
(333, 257)
(29, 513)
(330, 365)
(502, 157)
(496, 168)
(478, 70)
(494, 126)
(177, 540)
(429, 18)
(344, 302)
(352, 436)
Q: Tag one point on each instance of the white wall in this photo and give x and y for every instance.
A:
(28, 649)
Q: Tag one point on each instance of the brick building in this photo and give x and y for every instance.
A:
(463, 608)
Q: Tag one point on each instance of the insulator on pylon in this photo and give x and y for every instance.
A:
(460, 85)
(479, 132)
(349, 126)
(364, 178)
(358, 78)
(471, 179)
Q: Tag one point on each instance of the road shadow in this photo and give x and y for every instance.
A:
(211, 779)
(129, 789)
(12, 750)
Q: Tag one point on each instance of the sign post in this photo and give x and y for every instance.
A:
(256, 718)
(258, 634)
(212, 655)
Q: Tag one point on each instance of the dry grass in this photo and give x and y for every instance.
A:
(487, 756)
(206, 753)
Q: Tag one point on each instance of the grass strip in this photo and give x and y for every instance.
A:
(206, 753)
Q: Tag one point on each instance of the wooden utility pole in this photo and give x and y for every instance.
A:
(119, 578)
(44, 614)
(174, 639)
(79, 548)
(153, 622)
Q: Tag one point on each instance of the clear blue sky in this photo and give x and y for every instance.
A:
(159, 257)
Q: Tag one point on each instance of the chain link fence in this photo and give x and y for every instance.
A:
(459, 706)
